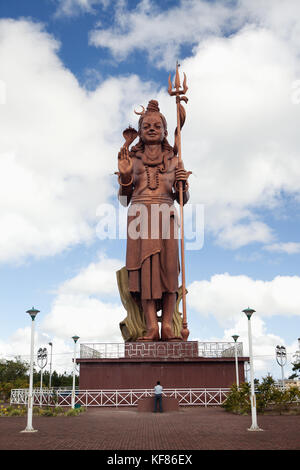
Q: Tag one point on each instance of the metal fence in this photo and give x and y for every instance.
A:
(159, 349)
(118, 398)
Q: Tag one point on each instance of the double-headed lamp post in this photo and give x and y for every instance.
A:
(235, 337)
(75, 339)
(254, 427)
(281, 360)
(42, 357)
(33, 313)
(50, 376)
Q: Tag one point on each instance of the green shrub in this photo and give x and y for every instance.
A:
(238, 400)
(47, 412)
(283, 400)
(13, 411)
(268, 396)
(16, 412)
(39, 411)
(58, 410)
(73, 412)
(266, 393)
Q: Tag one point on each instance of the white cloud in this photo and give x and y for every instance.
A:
(98, 278)
(88, 317)
(240, 138)
(289, 248)
(224, 296)
(162, 32)
(58, 145)
(75, 7)
(278, 16)
(18, 345)
(236, 236)
(263, 345)
(159, 32)
(88, 304)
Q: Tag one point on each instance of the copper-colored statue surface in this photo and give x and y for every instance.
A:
(151, 177)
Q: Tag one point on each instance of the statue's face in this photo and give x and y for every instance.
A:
(152, 129)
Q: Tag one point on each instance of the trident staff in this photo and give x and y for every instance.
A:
(180, 121)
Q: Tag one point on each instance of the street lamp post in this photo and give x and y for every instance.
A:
(281, 360)
(235, 337)
(33, 313)
(75, 339)
(254, 427)
(50, 376)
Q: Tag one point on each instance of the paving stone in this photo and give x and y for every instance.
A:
(191, 428)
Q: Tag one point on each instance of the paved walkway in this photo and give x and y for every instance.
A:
(188, 429)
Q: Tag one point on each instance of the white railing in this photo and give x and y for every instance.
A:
(42, 397)
(159, 349)
(116, 398)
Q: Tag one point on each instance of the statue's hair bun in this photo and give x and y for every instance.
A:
(153, 107)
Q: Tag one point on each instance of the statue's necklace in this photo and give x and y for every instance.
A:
(152, 167)
(152, 177)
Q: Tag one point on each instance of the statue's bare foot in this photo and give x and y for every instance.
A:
(151, 335)
(168, 335)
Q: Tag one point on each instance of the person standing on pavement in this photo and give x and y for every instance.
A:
(158, 397)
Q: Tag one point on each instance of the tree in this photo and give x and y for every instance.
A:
(13, 370)
(296, 369)
(15, 374)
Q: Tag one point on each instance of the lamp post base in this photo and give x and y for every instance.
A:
(29, 430)
(254, 428)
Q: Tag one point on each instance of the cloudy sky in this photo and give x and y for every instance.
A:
(71, 74)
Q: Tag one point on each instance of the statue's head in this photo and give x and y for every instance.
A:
(152, 124)
(152, 117)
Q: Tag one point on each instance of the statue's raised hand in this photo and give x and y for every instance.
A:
(125, 165)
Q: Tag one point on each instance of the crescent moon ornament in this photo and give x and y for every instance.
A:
(142, 112)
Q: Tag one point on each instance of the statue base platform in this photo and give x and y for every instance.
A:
(174, 364)
(168, 404)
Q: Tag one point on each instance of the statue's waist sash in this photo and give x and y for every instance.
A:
(152, 199)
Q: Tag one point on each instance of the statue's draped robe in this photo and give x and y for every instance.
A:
(152, 259)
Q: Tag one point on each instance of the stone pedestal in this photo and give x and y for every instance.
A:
(175, 365)
(168, 404)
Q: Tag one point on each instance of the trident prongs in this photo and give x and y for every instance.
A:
(177, 90)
